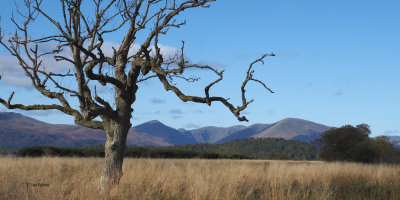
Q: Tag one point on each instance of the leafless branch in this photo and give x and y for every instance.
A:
(83, 34)
(207, 99)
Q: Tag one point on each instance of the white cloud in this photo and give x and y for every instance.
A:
(12, 74)
(167, 51)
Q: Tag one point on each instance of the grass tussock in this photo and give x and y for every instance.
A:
(78, 178)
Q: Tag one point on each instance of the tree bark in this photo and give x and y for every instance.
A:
(116, 132)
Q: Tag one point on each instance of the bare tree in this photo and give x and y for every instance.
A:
(79, 39)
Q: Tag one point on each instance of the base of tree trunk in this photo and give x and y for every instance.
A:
(114, 150)
(107, 182)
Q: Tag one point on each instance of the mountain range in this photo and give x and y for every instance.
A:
(18, 131)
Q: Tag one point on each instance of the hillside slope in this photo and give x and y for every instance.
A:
(167, 134)
(244, 133)
(17, 131)
(293, 129)
(212, 134)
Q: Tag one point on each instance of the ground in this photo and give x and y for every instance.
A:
(78, 178)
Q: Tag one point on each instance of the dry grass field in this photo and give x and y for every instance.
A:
(77, 178)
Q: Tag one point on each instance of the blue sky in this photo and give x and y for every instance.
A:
(336, 63)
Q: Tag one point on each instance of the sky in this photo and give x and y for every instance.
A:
(336, 63)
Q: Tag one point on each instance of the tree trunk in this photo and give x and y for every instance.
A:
(116, 132)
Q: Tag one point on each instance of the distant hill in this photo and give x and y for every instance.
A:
(294, 129)
(290, 129)
(167, 134)
(394, 139)
(17, 131)
(245, 133)
(212, 134)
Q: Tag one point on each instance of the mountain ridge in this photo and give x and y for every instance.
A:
(294, 128)
(18, 131)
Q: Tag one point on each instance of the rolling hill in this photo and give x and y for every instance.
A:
(212, 134)
(293, 129)
(17, 131)
(169, 135)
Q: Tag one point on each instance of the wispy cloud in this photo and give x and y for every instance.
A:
(191, 125)
(290, 54)
(392, 132)
(270, 112)
(245, 112)
(338, 93)
(176, 112)
(241, 56)
(156, 100)
(251, 57)
(315, 54)
(176, 117)
(134, 119)
(41, 112)
(214, 64)
(297, 54)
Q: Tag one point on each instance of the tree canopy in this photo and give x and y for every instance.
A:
(349, 143)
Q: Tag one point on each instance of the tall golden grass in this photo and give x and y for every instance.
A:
(78, 178)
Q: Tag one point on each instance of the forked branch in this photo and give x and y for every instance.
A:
(162, 76)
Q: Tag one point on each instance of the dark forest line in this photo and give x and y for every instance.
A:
(251, 148)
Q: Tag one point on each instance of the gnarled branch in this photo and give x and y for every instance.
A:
(162, 75)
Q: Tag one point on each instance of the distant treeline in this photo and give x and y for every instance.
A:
(250, 148)
(261, 148)
(133, 152)
(346, 143)
(7, 152)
